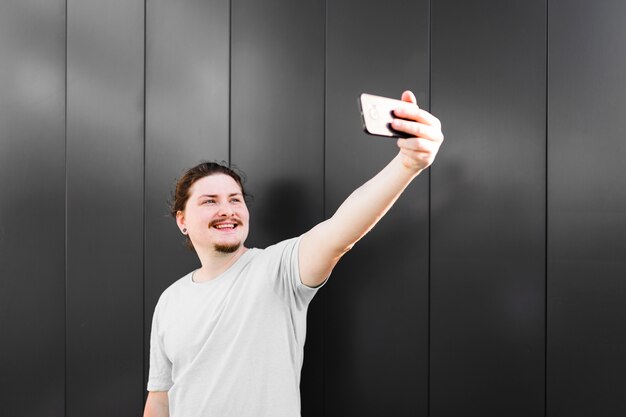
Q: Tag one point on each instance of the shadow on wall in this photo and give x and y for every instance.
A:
(283, 210)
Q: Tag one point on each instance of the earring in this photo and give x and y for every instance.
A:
(184, 230)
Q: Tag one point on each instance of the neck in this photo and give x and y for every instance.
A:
(214, 263)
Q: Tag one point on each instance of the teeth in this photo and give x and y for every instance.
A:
(225, 226)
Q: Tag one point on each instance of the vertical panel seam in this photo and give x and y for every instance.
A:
(545, 363)
(430, 66)
(143, 209)
(66, 223)
(324, 200)
(230, 78)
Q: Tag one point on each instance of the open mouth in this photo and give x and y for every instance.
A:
(225, 226)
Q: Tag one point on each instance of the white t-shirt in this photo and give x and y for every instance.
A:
(233, 346)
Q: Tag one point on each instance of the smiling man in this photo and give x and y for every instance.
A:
(227, 339)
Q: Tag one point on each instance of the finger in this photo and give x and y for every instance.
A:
(417, 129)
(416, 114)
(409, 97)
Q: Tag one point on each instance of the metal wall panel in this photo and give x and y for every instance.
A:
(277, 136)
(32, 208)
(187, 64)
(488, 209)
(376, 328)
(587, 209)
(105, 94)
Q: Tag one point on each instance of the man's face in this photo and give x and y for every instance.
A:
(216, 216)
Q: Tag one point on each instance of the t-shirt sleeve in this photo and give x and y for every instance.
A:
(160, 375)
(289, 274)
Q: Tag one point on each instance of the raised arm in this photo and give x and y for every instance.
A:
(323, 246)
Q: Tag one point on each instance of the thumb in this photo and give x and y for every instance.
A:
(409, 97)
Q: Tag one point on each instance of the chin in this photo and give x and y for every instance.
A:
(227, 248)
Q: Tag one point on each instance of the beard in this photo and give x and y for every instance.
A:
(223, 248)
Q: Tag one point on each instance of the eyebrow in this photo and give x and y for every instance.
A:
(217, 195)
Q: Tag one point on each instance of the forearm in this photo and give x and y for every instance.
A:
(360, 212)
(157, 405)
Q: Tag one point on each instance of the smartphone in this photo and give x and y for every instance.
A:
(377, 114)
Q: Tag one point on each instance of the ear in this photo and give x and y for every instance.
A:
(180, 220)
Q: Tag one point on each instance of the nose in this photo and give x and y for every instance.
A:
(225, 210)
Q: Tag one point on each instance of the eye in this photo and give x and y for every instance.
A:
(209, 201)
(235, 200)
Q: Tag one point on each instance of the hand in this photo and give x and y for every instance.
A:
(419, 151)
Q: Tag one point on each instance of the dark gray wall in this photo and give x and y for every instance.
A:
(104, 207)
(376, 315)
(489, 209)
(32, 208)
(495, 285)
(586, 209)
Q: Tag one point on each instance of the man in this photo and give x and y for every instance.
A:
(227, 339)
